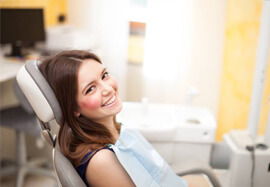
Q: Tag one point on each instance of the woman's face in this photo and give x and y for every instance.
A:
(97, 94)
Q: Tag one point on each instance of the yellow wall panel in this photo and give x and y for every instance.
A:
(52, 8)
(242, 30)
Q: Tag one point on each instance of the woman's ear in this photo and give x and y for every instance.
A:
(77, 114)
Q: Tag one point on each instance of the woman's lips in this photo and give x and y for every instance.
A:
(110, 101)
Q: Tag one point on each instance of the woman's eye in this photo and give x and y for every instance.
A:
(90, 89)
(105, 75)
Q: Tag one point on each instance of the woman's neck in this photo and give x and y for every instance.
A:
(109, 124)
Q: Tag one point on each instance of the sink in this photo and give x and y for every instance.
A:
(177, 132)
(195, 124)
(165, 122)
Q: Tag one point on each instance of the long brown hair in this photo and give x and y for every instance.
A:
(77, 135)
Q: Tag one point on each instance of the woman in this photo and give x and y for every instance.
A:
(88, 97)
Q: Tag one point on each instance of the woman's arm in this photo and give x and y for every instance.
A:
(104, 169)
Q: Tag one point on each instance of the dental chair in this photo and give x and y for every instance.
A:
(41, 96)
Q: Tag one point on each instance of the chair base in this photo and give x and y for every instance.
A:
(22, 171)
(24, 167)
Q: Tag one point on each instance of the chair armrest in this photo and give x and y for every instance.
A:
(182, 169)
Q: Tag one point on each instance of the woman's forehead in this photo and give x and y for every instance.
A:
(88, 71)
(89, 67)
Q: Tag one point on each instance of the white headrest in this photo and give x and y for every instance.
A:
(38, 92)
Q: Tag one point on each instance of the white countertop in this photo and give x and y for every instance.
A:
(9, 68)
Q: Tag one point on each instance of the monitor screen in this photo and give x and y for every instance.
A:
(21, 26)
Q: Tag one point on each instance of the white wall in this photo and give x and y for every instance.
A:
(107, 22)
(168, 49)
(207, 51)
(196, 32)
(184, 47)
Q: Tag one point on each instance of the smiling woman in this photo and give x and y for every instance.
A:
(103, 153)
(88, 97)
(97, 93)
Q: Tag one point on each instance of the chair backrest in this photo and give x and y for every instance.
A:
(42, 99)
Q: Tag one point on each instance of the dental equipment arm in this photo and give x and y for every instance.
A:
(182, 169)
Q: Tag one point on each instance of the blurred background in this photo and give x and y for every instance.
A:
(186, 52)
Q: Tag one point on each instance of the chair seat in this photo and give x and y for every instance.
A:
(17, 118)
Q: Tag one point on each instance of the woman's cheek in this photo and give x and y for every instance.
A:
(115, 84)
(91, 104)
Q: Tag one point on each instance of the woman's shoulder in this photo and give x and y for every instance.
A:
(105, 169)
(102, 157)
(86, 159)
(89, 155)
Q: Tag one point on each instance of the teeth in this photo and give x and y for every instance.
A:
(110, 101)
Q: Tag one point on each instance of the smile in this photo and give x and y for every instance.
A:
(110, 101)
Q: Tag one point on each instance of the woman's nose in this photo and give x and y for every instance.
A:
(106, 89)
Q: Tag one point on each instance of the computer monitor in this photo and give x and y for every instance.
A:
(21, 27)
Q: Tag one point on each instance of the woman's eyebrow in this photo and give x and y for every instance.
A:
(104, 69)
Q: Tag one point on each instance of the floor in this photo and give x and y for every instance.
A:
(40, 181)
(30, 181)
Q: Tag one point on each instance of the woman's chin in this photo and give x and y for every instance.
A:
(119, 106)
